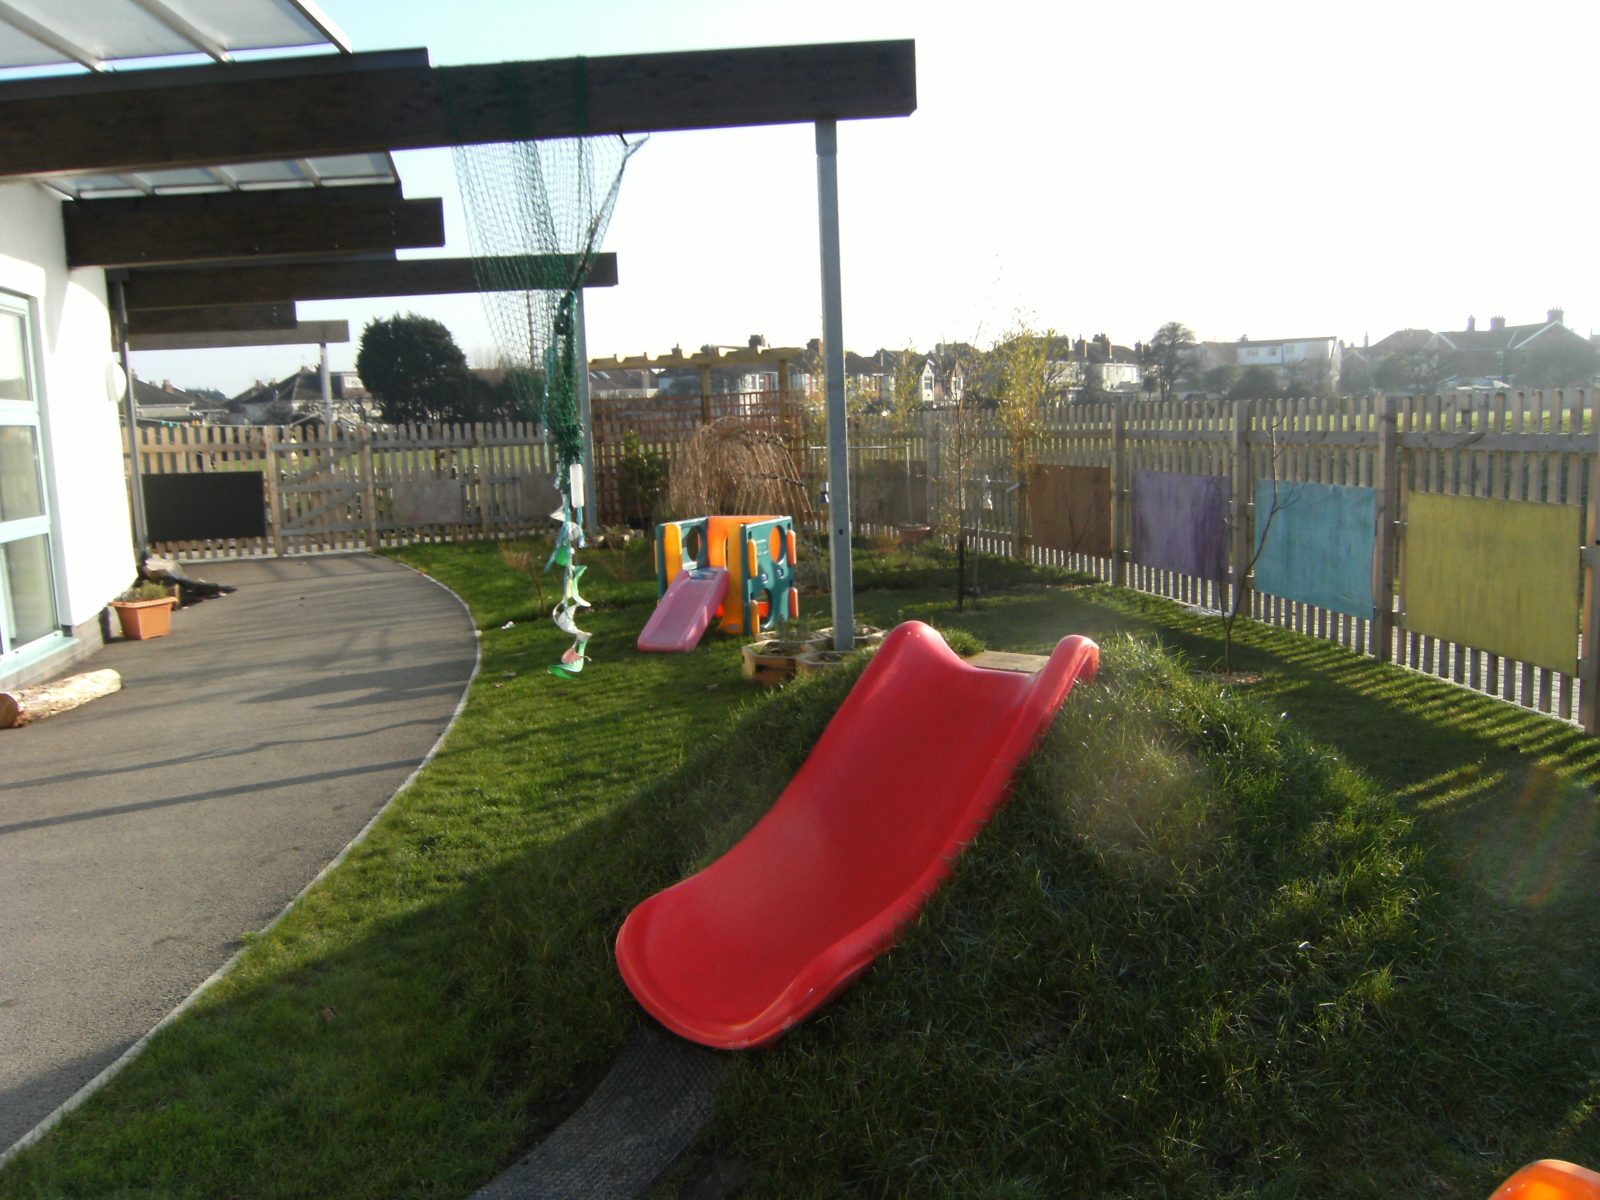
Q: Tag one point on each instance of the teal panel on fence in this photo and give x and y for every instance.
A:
(1318, 544)
(1501, 575)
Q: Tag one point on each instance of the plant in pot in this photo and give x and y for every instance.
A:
(145, 611)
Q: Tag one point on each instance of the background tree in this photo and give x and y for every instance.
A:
(1167, 354)
(960, 430)
(1221, 380)
(1092, 391)
(905, 388)
(413, 366)
(505, 393)
(1256, 383)
(1412, 371)
(642, 477)
(1311, 377)
(1024, 362)
(1282, 495)
(1355, 375)
(1558, 363)
(904, 401)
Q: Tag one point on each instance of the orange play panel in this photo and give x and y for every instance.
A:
(918, 757)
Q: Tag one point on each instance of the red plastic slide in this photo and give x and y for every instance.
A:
(685, 611)
(917, 758)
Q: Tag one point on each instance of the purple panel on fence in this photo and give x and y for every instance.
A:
(1180, 523)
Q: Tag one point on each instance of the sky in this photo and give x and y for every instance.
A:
(1250, 169)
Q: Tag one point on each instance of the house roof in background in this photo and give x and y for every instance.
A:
(1507, 337)
(96, 34)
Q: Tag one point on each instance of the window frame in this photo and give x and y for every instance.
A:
(28, 413)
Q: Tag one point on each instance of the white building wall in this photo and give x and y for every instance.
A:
(1119, 377)
(82, 434)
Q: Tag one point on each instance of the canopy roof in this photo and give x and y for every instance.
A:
(336, 170)
(98, 33)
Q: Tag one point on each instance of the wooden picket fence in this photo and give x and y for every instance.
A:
(1535, 447)
(330, 489)
(336, 489)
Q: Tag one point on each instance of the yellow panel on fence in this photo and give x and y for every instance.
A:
(1501, 575)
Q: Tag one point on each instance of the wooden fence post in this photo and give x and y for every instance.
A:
(1589, 659)
(369, 490)
(1386, 483)
(1240, 508)
(274, 504)
(1119, 503)
(480, 472)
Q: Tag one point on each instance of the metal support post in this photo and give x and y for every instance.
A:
(130, 415)
(840, 570)
(586, 417)
(327, 390)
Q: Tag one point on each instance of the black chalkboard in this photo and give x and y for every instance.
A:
(217, 504)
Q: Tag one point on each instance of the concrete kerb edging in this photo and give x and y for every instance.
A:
(132, 1052)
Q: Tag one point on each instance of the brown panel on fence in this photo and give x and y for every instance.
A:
(1072, 509)
(537, 496)
(886, 492)
(429, 502)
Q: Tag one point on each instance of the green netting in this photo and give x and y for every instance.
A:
(537, 212)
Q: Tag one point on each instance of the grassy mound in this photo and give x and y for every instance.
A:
(1194, 956)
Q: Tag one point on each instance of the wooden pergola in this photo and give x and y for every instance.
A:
(236, 261)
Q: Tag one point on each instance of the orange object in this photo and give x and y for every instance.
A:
(142, 619)
(865, 832)
(794, 604)
(1550, 1179)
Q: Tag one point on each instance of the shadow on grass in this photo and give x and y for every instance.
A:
(426, 1049)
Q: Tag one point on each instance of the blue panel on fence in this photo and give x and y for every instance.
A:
(1319, 544)
(1180, 523)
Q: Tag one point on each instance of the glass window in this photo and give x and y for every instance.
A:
(27, 572)
(13, 358)
(30, 609)
(20, 493)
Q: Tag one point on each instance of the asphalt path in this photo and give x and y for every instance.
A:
(143, 834)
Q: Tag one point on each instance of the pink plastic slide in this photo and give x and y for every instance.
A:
(685, 610)
(920, 754)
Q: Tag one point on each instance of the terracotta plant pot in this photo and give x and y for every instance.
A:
(142, 619)
(913, 535)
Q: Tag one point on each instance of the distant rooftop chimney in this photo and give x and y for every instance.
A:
(1497, 323)
(1472, 323)
(757, 341)
(1557, 316)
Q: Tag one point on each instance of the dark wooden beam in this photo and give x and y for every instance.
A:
(206, 115)
(179, 288)
(304, 333)
(165, 230)
(213, 319)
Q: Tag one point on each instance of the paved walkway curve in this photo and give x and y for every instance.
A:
(142, 834)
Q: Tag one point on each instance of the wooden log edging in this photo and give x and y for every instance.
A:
(26, 705)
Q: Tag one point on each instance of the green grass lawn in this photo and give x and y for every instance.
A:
(1326, 934)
